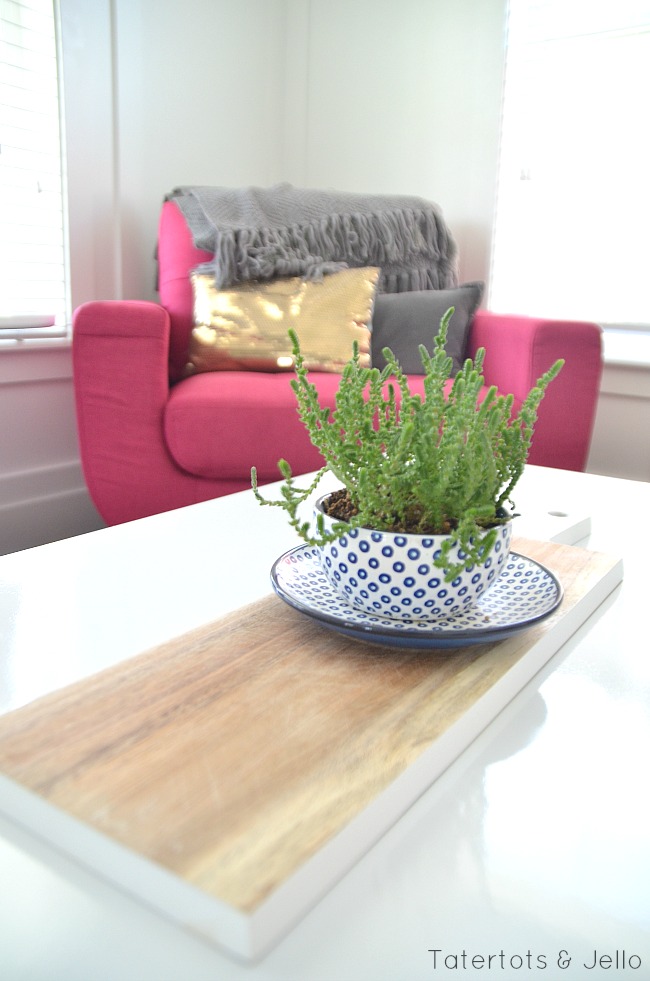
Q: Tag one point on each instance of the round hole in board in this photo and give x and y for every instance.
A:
(558, 514)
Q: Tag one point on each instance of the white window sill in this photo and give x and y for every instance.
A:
(12, 338)
(627, 347)
(16, 328)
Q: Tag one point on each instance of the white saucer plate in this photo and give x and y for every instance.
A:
(524, 594)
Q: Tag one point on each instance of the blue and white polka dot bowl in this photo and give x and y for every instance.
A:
(393, 575)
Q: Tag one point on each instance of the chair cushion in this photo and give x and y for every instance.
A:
(403, 321)
(220, 424)
(245, 327)
(223, 423)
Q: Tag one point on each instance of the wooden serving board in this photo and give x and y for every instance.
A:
(232, 775)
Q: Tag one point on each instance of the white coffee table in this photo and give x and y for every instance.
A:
(535, 841)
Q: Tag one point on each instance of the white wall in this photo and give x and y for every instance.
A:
(620, 446)
(361, 95)
(200, 101)
(42, 492)
(406, 98)
(358, 95)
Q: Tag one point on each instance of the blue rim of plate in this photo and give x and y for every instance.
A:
(524, 594)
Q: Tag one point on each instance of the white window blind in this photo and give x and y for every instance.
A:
(573, 207)
(33, 287)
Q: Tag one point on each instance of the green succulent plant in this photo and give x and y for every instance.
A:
(442, 464)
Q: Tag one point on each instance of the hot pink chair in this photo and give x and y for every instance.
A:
(151, 440)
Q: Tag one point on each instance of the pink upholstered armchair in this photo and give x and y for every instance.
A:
(152, 440)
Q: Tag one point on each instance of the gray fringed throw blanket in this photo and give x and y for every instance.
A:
(260, 233)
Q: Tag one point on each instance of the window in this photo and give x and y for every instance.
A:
(573, 206)
(33, 279)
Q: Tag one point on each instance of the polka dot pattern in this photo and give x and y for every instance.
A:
(524, 593)
(394, 576)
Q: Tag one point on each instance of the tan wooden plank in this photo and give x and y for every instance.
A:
(232, 754)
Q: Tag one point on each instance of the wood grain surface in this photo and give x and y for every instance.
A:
(232, 754)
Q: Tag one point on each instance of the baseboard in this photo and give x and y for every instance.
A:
(44, 505)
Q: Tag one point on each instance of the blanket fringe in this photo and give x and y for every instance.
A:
(413, 248)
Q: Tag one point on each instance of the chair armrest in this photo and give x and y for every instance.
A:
(518, 351)
(125, 331)
(120, 369)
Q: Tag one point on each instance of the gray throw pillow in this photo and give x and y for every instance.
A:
(403, 321)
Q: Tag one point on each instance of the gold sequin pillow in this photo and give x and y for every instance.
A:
(245, 328)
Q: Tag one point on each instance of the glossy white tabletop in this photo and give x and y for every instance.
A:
(533, 847)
